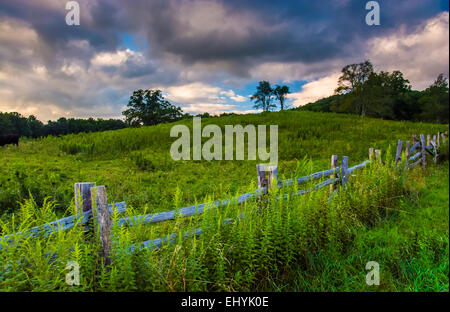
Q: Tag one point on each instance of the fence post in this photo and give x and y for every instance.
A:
(422, 142)
(378, 155)
(344, 170)
(443, 137)
(398, 157)
(266, 174)
(100, 205)
(438, 139)
(334, 159)
(433, 144)
(407, 153)
(371, 153)
(428, 140)
(83, 196)
(414, 139)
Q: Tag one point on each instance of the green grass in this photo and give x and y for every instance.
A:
(411, 245)
(302, 243)
(136, 167)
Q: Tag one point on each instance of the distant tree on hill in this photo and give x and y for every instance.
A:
(263, 96)
(148, 107)
(353, 75)
(386, 95)
(204, 115)
(380, 95)
(5, 124)
(435, 101)
(36, 127)
(280, 93)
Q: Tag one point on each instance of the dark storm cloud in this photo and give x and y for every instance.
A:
(287, 31)
(100, 27)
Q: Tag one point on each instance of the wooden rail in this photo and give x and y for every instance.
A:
(63, 224)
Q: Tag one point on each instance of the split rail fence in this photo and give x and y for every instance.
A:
(89, 198)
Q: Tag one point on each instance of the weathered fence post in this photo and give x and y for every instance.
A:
(398, 157)
(443, 137)
(428, 140)
(83, 196)
(407, 153)
(100, 211)
(266, 174)
(438, 139)
(422, 142)
(378, 155)
(433, 144)
(344, 170)
(371, 153)
(334, 159)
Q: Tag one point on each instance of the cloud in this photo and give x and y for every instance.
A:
(114, 59)
(235, 97)
(211, 108)
(420, 55)
(315, 90)
(201, 97)
(193, 92)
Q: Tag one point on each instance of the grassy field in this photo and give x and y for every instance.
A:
(136, 167)
(301, 244)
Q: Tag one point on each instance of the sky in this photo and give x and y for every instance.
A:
(205, 55)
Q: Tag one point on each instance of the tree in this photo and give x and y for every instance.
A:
(435, 101)
(381, 95)
(148, 107)
(5, 124)
(36, 127)
(352, 81)
(353, 75)
(204, 115)
(263, 96)
(280, 93)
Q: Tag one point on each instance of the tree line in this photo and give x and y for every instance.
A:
(386, 95)
(15, 123)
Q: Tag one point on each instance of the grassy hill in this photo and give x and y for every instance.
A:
(300, 244)
(136, 166)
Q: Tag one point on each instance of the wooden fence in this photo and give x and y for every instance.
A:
(89, 198)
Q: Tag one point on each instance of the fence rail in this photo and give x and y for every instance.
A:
(63, 224)
(89, 198)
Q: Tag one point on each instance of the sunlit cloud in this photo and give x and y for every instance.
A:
(420, 55)
(315, 90)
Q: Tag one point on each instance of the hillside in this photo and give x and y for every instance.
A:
(136, 167)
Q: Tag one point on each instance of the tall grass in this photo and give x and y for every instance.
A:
(267, 242)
